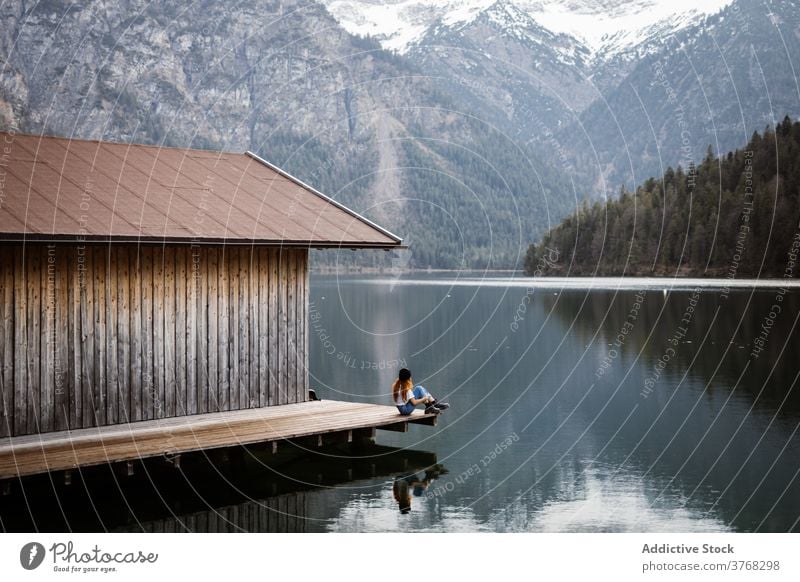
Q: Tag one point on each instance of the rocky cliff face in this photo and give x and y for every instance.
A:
(206, 71)
(231, 75)
(511, 69)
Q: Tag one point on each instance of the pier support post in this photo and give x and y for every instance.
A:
(174, 460)
(237, 459)
(362, 438)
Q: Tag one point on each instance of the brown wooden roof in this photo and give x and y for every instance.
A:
(65, 189)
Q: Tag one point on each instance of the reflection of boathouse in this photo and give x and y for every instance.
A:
(156, 300)
(224, 490)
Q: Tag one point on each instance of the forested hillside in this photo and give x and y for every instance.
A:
(733, 216)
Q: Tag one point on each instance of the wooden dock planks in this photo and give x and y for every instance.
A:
(31, 454)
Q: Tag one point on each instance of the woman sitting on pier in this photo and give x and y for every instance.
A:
(407, 396)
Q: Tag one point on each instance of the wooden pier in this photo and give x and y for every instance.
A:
(65, 450)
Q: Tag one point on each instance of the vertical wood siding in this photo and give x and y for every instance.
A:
(99, 335)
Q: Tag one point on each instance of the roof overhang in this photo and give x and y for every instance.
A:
(333, 202)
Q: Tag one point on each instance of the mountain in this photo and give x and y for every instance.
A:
(281, 78)
(608, 91)
(603, 27)
(507, 68)
(711, 84)
(485, 124)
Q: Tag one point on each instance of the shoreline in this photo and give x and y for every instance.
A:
(404, 272)
(560, 282)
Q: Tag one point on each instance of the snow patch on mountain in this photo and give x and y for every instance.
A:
(399, 24)
(605, 27)
(614, 26)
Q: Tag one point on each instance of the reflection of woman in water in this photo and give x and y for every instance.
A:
(407, 396)
(404, 486)
(402, 494)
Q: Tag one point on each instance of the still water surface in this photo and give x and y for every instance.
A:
(610, 408)
(573, 409)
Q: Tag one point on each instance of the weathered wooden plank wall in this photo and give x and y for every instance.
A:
(7, 348)
(99, 334)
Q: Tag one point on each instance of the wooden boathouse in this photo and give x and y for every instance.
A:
(155, 300)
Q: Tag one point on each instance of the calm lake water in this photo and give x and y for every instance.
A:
(572, 410)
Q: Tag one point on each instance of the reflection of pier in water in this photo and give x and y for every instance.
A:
(240, 489)
(283, 513)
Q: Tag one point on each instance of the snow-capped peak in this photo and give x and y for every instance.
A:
(605, 27)
(398, 24)
(612, 26)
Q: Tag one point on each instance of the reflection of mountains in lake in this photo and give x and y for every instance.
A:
(702, 452)
(721, 333)
(241, 489)
(719, 427)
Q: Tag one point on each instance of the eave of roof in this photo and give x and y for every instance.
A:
(160, 240)
(327, 199)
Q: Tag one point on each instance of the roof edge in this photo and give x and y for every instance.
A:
(327, 199)
(80, 239)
